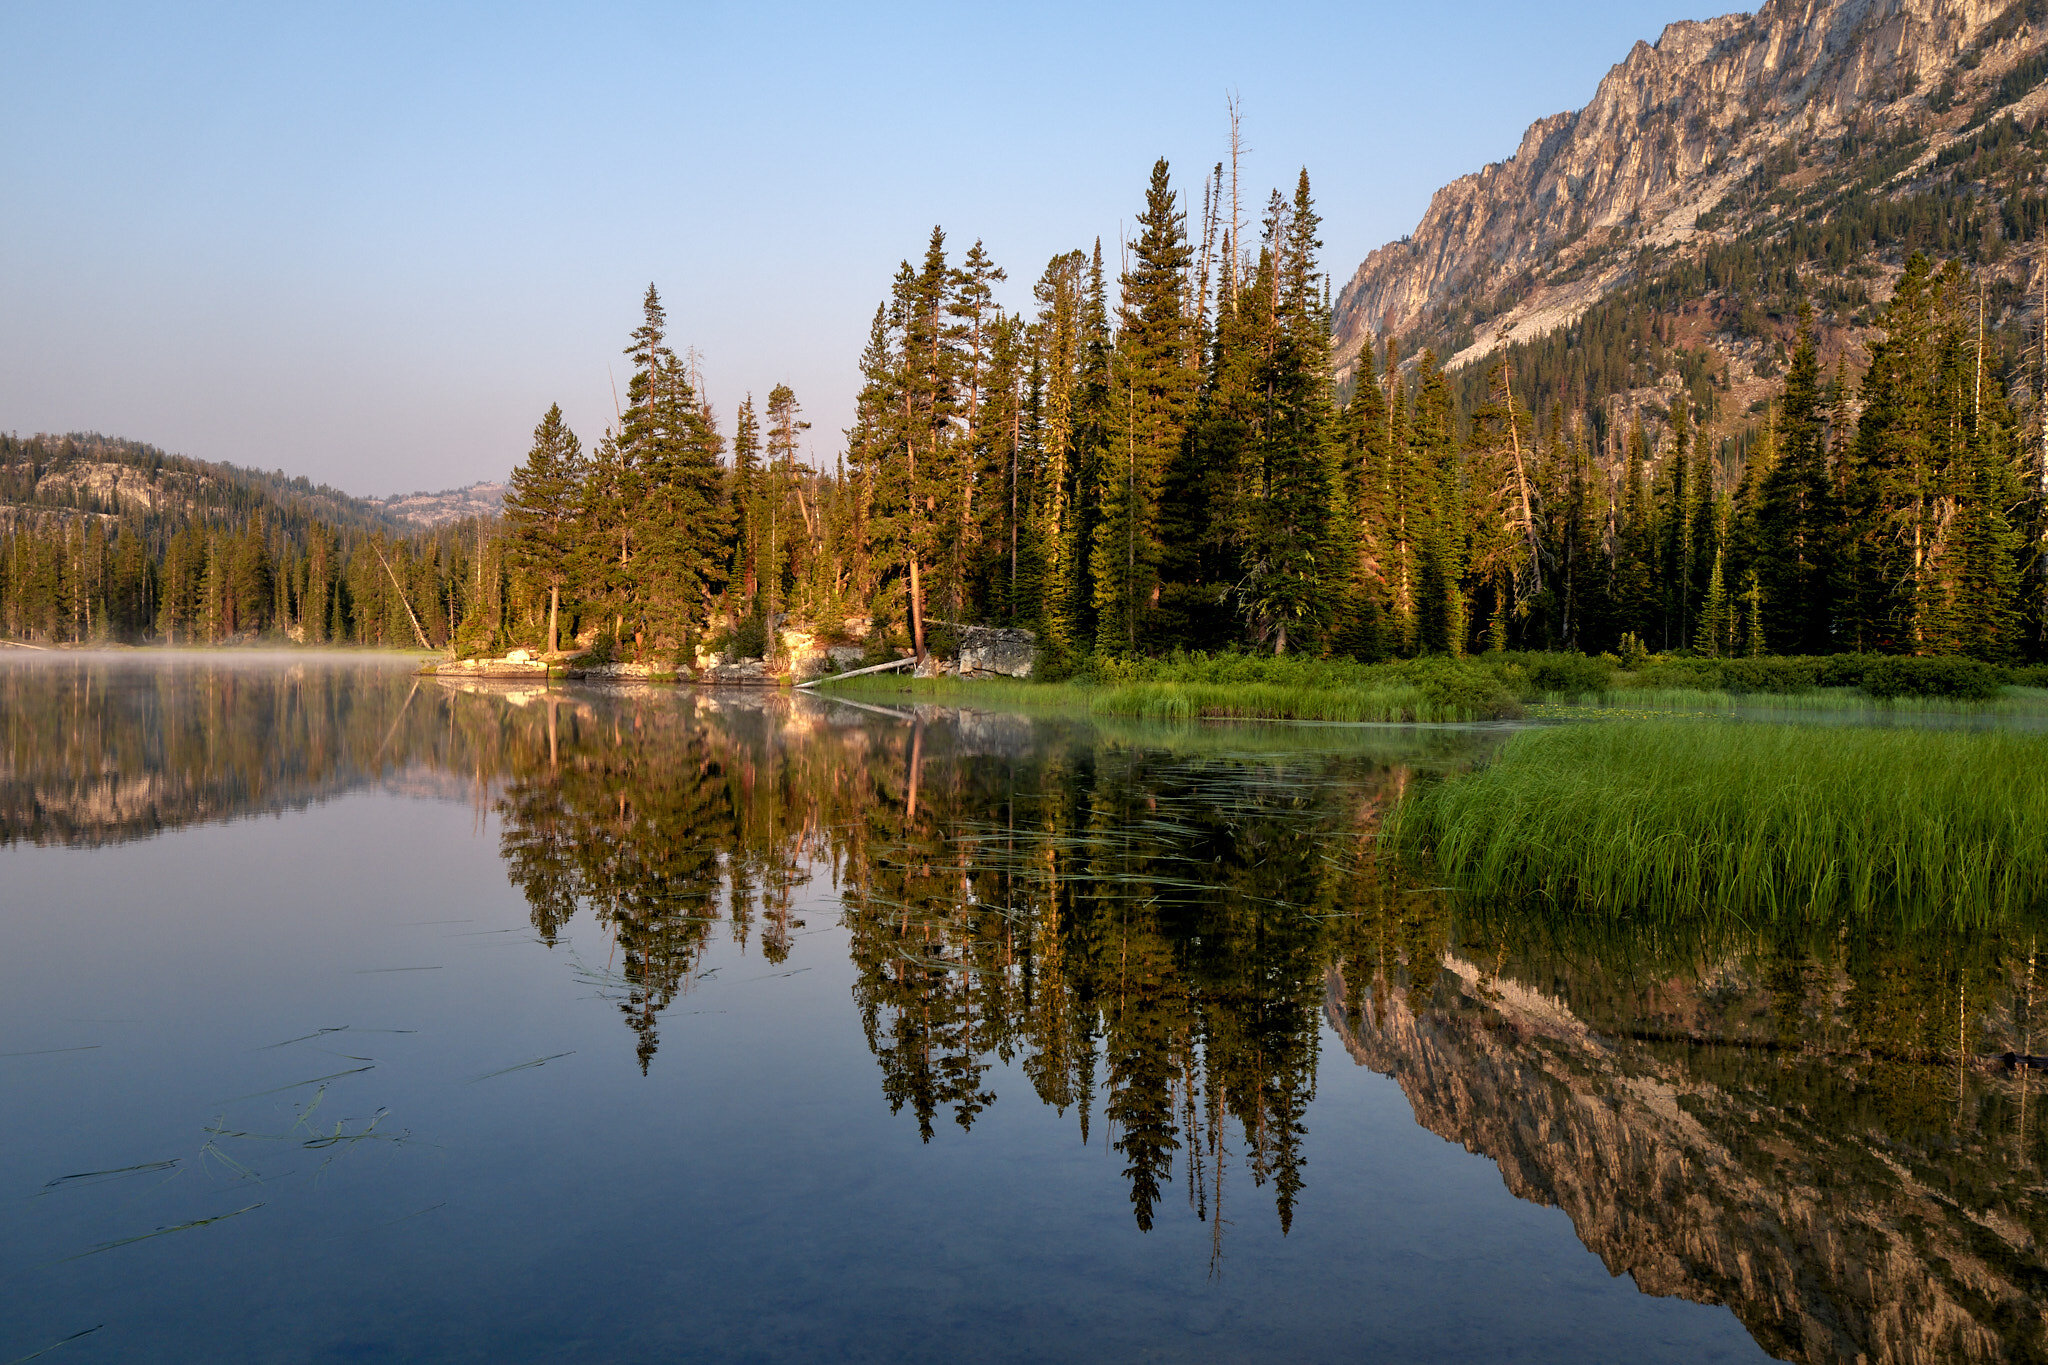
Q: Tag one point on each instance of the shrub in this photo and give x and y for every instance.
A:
(748, 640)
(475, 639)
(1965, 679)
(1454, 687)
(1572, 674)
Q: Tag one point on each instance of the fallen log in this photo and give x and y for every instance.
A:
(856, 672)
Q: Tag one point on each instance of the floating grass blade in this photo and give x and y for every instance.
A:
(35, 1355)
(298, 1085)
(101, 1177)
(305, 1037)
(164, 1232)
(522, 1066)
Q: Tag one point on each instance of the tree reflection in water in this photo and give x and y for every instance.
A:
(1140, 930)
(1832, 1129)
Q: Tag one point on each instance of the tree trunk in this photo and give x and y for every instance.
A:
(554, 613)
(916, 611)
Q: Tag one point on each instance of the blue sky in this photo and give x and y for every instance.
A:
(372, 243)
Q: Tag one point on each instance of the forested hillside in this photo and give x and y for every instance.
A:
(47, 479)
(110, 540)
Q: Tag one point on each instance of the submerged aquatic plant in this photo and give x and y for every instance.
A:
(1773, 821)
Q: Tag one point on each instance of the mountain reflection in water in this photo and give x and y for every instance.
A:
(1822, 1128)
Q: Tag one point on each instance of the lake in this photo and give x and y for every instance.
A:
(352, 1016)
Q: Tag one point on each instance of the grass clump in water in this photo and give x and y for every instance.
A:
(1772, 821)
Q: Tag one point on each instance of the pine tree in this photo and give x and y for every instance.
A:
(1796, 519)
(1152, 385)
(789, 552)
(976, 320)
(1363, 439)
(1435, 473)
(675, 527)
(1635, 591)
(747, 507)
(1059, 346)
(1890, 476)
(541, 505)
(1711, 639)
(1299, 556)
(1003, 429)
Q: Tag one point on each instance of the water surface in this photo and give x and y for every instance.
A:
(349, 1016)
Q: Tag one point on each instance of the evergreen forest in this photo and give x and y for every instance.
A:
(1155, 456)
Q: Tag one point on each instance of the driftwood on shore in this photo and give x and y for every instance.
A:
(856, 672)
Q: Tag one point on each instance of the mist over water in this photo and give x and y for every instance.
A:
(353, 1016)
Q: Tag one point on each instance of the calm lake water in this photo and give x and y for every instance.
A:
(348, 1016)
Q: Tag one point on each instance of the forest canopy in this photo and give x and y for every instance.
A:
(1155, 460)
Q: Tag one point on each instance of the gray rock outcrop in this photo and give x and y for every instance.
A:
(1527, 244)
(996, 652)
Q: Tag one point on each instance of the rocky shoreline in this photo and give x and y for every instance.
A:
(981, 652)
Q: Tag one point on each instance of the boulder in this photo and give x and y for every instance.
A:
(741, 672)
(623, 672)
(996, 652)
(806, 656)
(519, 663)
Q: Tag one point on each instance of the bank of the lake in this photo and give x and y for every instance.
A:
(1493, 687)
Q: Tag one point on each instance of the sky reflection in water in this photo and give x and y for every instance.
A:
(602, 1026)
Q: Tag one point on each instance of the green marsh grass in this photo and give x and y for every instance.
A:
(1187, 687)
(1766, 821)
(1240, 686)
(1280, 701)
(2013, 702)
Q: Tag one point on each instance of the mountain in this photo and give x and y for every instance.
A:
(46, 479)
(480, 499)
(1715, 176)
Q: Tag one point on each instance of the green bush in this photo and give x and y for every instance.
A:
(1966, 679)
(1455, 687)
(1535, 674)
(748, 639)
(1879, 675)
(475, 639)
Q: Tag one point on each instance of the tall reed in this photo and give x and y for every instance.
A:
(1761, 820)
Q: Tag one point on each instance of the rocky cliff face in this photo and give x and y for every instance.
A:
(1670, 150)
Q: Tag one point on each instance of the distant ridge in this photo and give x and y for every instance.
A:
(480, 499)
(50, 478)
